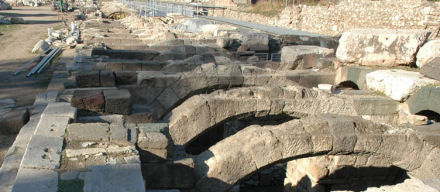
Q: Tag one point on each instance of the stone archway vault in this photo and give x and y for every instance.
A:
(202, 112)
(256, 147)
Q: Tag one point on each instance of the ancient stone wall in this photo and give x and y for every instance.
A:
(333, 19)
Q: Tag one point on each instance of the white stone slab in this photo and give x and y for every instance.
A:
(60, 110)
(52, 126)
(12, 161)
(36, 180)
(397, 84)
(114, 178)
(43, 152)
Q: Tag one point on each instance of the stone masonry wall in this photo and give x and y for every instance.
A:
(334, 19)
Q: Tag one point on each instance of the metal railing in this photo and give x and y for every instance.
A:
(154, 8)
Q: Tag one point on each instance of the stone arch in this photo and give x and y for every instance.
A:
(347, 85)
(202, 112)
(225, 164)
(424, 99)
(431, 115)
(167, 91)
(230, 127)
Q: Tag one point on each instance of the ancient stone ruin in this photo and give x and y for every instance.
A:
(174, 103)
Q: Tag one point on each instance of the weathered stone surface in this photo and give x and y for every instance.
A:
(417, 119)
(52, 126)
(88, 79)
(117, 101)
(431, 69)
(152, 140)
(11, 163)
(92, 100)
(60, 110)
(173, 175)
(428, 52)
(193, 25)
(106, 78)
(223, 165)
(227, 43)
(373, 105)
(426, 98)
(17, 20)
(87, 132)
(43, 152)
(40, 47)
(256, 41)
(125, 77)
(153, 155)
(202, 112)
(114, 178)
(83, 152)
(36, 180)
(153, 127)
(380, 47)
(71, 41)
(293, 56)
(12, 121)
(397, 84)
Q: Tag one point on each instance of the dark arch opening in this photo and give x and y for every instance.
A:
(355, 179)
(348, 178)
(230, 127)
(350, 85)
(432, 115)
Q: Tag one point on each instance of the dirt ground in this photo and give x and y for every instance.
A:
(16, 43)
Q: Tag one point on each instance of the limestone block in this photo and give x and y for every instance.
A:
(52, 126)
(114, 66)
(40, 47)
(256, 41)
(107, 79)
(87, 132)
(431, 69)
(293, 56)
(125, 77)
(71, 41)
(114, 178)
(152, 140)
(326, 87)
(154, 127)
(417, 119)
(373, 105)
(43, 152)
(227, 43)
(12, 121)
(193, 25)
(117, 101)
(425, 98)
(153, 155)
(343, 143)
(36, 180)
(380, 47)
(60, 110)
(172, 175)
(17, 20)
(92, 100)
(119, 134)
(397, 84)
(428, 52)
(88, 79)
